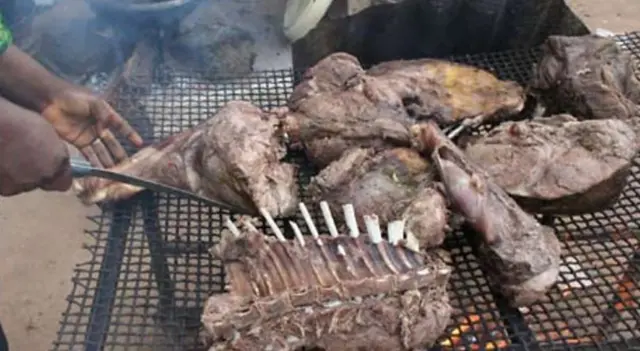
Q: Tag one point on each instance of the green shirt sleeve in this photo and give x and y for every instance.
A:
(5, 36)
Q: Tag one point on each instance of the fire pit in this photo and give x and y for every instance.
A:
(150, 271)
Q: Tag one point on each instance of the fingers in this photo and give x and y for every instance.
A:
(98, 156)
(103, 155)
(107, 118)
(61, 180)
(10, 188)
(113, 145)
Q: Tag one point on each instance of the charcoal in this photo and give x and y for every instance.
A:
(558, 164)
(330, 291)
(234, 157)
(521, 256)
(589, 77)
(339, 105)
(395, 183)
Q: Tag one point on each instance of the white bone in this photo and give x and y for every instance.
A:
(411, 242)
(395, 231)
(350, 219)
(247, 223)
(326, 213)
(298, 233)
(373, 228)
(272, 224)
(232, 227)
(309, 222)
(341, 250)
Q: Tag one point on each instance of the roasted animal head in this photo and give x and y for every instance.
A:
(326, 278)
(522, 255)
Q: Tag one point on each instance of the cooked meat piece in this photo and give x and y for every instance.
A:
(338, 105)
(589, 77)
(335, 108)
(557, 164)
(521, 256)
(335, 291)
(396, 183)
(234, 157)
(449, 92)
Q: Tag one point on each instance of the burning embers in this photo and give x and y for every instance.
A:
(476, 324)
(596, 298)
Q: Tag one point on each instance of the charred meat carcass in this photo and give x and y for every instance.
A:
(394, 183)
(521, 256)
(557, 164)
(338, 105)
(235, 157)
(589, 77)
(335, 291)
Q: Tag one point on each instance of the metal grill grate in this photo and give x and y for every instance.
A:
(150, 274)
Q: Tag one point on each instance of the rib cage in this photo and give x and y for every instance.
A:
(323, 267)
(270, 276)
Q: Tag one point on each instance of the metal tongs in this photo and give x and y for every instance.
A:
(81, 168)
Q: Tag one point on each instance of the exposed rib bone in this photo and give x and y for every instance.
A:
(309, 222)
(350, 219)
(373, 228)
(341, 250)
(298, 233)
(395, 231)
(331, 224)
(232, 227)
(246, 221)
(272, 224)
(411, 242)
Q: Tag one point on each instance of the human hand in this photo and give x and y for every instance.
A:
(31, 153)
(85, 120)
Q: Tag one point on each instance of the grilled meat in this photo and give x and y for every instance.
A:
(339, 105)
(395, 183)
(521, 256)
(589, 77)
(557, 164)
(335, 291)
(234, 157)
(449, 92)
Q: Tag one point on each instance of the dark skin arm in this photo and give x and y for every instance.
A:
(78, 116)
(25, 82)
(32, 155)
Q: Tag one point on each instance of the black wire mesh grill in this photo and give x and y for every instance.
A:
(150, 272)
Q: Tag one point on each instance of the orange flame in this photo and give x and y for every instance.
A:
(455, 340)
(624, 294)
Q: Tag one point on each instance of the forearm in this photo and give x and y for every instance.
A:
(24, 81)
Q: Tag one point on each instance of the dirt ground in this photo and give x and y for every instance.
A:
(42, 234)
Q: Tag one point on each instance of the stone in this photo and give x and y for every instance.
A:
(211, 42)
(68, 39)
